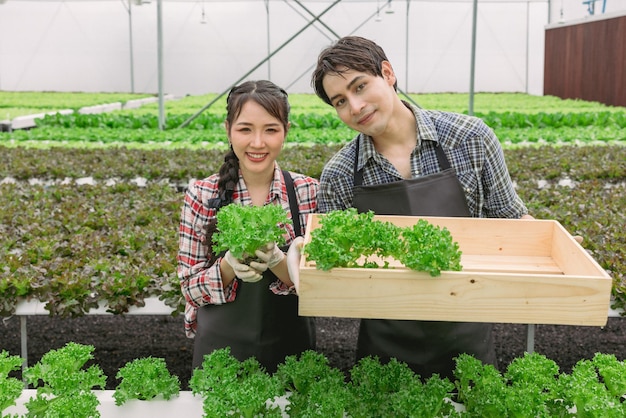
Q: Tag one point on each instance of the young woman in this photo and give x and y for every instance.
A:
(253, 309)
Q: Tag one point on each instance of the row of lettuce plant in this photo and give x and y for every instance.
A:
(42, 102)
(511, 128)
(604, 163)
(176, 138)
(21, 103)
(204, 121)
(208, 121)
(176, 165)
(527, 120)
(531, 386)
(73, 247)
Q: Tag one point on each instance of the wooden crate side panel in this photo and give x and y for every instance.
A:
(509, 264)
(477, 263)
(499, 237)
(454, 296)
(572, 258)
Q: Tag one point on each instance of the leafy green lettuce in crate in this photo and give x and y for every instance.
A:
(429, 248)
(245, 229)
(344, 236)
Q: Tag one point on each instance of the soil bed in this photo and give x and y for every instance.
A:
(120, 339)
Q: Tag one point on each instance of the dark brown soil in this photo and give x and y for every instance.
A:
(120, 339)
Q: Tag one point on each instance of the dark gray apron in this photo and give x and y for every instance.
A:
(258, 323)
(426, 346)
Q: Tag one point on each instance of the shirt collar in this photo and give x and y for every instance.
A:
(423, 124)
(276, 186)
(276, 189)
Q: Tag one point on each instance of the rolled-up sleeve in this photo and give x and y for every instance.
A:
(200, 282)
(501, 200)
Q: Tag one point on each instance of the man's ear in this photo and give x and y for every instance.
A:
(388, 74)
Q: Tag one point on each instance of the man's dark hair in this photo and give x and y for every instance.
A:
(348, 53)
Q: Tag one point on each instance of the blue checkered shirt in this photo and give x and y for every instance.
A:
(469, 144)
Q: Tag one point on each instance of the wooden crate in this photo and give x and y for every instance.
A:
(514, 271)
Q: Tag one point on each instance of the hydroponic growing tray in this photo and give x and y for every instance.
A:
(514, 271)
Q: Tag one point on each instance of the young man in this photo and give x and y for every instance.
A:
(409, 161)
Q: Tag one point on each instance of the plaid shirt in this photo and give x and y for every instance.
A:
(200, 282)
(471, 147)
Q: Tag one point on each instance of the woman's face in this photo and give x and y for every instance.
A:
(257, 139)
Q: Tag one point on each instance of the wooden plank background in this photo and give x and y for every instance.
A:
(587, 61)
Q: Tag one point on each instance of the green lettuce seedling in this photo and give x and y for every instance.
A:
(245, 229)
(481, 387)
(234, 388)
(532, 387)
(393, 389)
(583, 391)
(10, 387)
(344, 236)
(315, 388)
(144, 379)
(613, 373)
(60, 373)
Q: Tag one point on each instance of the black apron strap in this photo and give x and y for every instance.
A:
(293, 203)
(358, 174)
(444, 164)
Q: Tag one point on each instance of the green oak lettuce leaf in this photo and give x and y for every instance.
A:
(245, 229)
(144, 379)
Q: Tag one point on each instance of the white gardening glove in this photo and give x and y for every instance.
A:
(271, 256)
(243, 271)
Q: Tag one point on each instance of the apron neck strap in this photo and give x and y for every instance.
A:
(293, 203)
(444, 164)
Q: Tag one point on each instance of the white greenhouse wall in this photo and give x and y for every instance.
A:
(54, 45)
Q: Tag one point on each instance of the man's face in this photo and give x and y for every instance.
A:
(362, 101)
